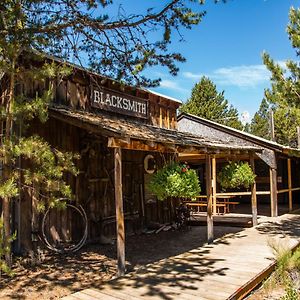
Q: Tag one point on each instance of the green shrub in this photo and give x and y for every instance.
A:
(175, 180)
(236, 175)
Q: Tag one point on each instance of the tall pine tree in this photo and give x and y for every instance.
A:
(207, 102)
(284, 94)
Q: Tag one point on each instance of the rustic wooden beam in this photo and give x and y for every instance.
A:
(171, 147)
(119, 212)
(118, 142)
(191, 150)
(140, 145)
(289, 169)
(151, 144)
(210, 229)
(287, 190)
(273, 190)
(214, 183)
(253, 194)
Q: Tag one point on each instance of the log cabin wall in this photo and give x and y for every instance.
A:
(76, 92)
(93, 188)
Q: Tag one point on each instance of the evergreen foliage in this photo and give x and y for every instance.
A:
(208, 103)
(119, 45)
(236, 175)
(175, 180)
(260, 124)
(284, 94)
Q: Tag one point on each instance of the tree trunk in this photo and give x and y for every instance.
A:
(7, 166)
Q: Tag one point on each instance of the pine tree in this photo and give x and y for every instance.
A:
(207, 102)
(119, 46)
(286, 120)
(260, 124)
(284, 94)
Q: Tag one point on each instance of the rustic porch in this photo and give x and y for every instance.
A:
(227, 269)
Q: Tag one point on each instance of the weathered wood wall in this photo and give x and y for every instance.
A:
(75, 92)
(94, 188)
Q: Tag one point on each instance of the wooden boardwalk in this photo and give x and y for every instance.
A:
(222, 270)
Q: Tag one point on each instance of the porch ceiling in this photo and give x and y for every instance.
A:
(131, 134)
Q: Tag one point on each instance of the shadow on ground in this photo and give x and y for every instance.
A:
(60, 275)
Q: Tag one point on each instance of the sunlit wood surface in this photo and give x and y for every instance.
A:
(216, 271)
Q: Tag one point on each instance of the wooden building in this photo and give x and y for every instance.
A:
(277, 166)
(115, 129)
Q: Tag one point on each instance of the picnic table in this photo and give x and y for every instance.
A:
(223, 205)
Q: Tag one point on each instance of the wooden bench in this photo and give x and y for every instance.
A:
(227, 204)
(204, 204)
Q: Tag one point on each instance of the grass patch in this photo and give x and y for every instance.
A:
(287, 272)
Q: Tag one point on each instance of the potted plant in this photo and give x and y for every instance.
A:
(236, 175)
(175, 180)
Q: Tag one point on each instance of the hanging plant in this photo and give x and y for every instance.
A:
(236, 175)
(175, 180)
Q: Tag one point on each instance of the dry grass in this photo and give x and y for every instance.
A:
(284, 283)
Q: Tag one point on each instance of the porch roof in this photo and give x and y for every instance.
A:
(239, 137)
(131, 134)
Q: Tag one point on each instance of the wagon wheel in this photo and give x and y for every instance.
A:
(65, 230)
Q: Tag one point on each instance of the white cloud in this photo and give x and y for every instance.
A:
(241, 76)
(245, 117)
(191, 75)
(172, 85)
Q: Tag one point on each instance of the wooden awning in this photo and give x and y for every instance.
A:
(135, 135)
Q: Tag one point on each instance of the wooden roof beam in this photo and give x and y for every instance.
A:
(191, 149)
(118, 142)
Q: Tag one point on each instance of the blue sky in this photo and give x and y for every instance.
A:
(227, 47)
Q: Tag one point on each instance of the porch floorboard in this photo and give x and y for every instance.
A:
(225, 269)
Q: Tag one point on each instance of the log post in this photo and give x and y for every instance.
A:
(289, 169)
(253, 194)
(119, 212)
(214, 184)
(273, 192)
(210, 229)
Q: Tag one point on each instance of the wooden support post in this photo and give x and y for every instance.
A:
(119, 212)
(214, 184)
(253, 194)
(273, 190)
(210, 229)
(289, 169)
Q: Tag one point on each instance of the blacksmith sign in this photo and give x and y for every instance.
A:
(114, 101)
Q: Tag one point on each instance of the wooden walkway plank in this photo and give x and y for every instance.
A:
(227, 269)
(96, 294)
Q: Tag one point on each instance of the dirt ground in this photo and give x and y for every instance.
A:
(60, 275)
